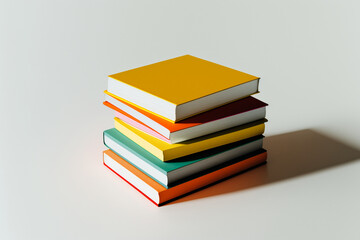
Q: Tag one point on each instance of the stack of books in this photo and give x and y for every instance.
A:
(182, 124)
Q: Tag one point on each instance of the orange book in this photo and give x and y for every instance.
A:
(160, 195)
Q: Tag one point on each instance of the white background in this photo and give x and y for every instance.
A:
(54, 60)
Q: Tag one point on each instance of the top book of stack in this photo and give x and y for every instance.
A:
(181, 87)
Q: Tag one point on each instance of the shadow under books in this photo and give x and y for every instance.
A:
(289, 155)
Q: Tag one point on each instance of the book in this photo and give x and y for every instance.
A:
(168, 173)
(160, 195)
(230, 115)
(165, 151)
(181, 87)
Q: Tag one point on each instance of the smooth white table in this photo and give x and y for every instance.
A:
(54, 59)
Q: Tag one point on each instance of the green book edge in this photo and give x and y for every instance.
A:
(174, 164)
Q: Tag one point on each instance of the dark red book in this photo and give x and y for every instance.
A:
(227, 116)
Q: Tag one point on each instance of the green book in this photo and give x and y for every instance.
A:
(171, 172)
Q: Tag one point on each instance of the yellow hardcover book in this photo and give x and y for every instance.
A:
(166, 151)
(182, 87)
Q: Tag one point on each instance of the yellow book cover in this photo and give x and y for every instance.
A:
(183, 79)
(166, 151)
(181, 87)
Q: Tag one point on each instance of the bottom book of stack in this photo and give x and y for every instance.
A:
(160, 194)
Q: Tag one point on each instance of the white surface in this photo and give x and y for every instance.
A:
(54, 60)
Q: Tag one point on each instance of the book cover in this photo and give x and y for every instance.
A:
(179, 88)
(182, 79)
